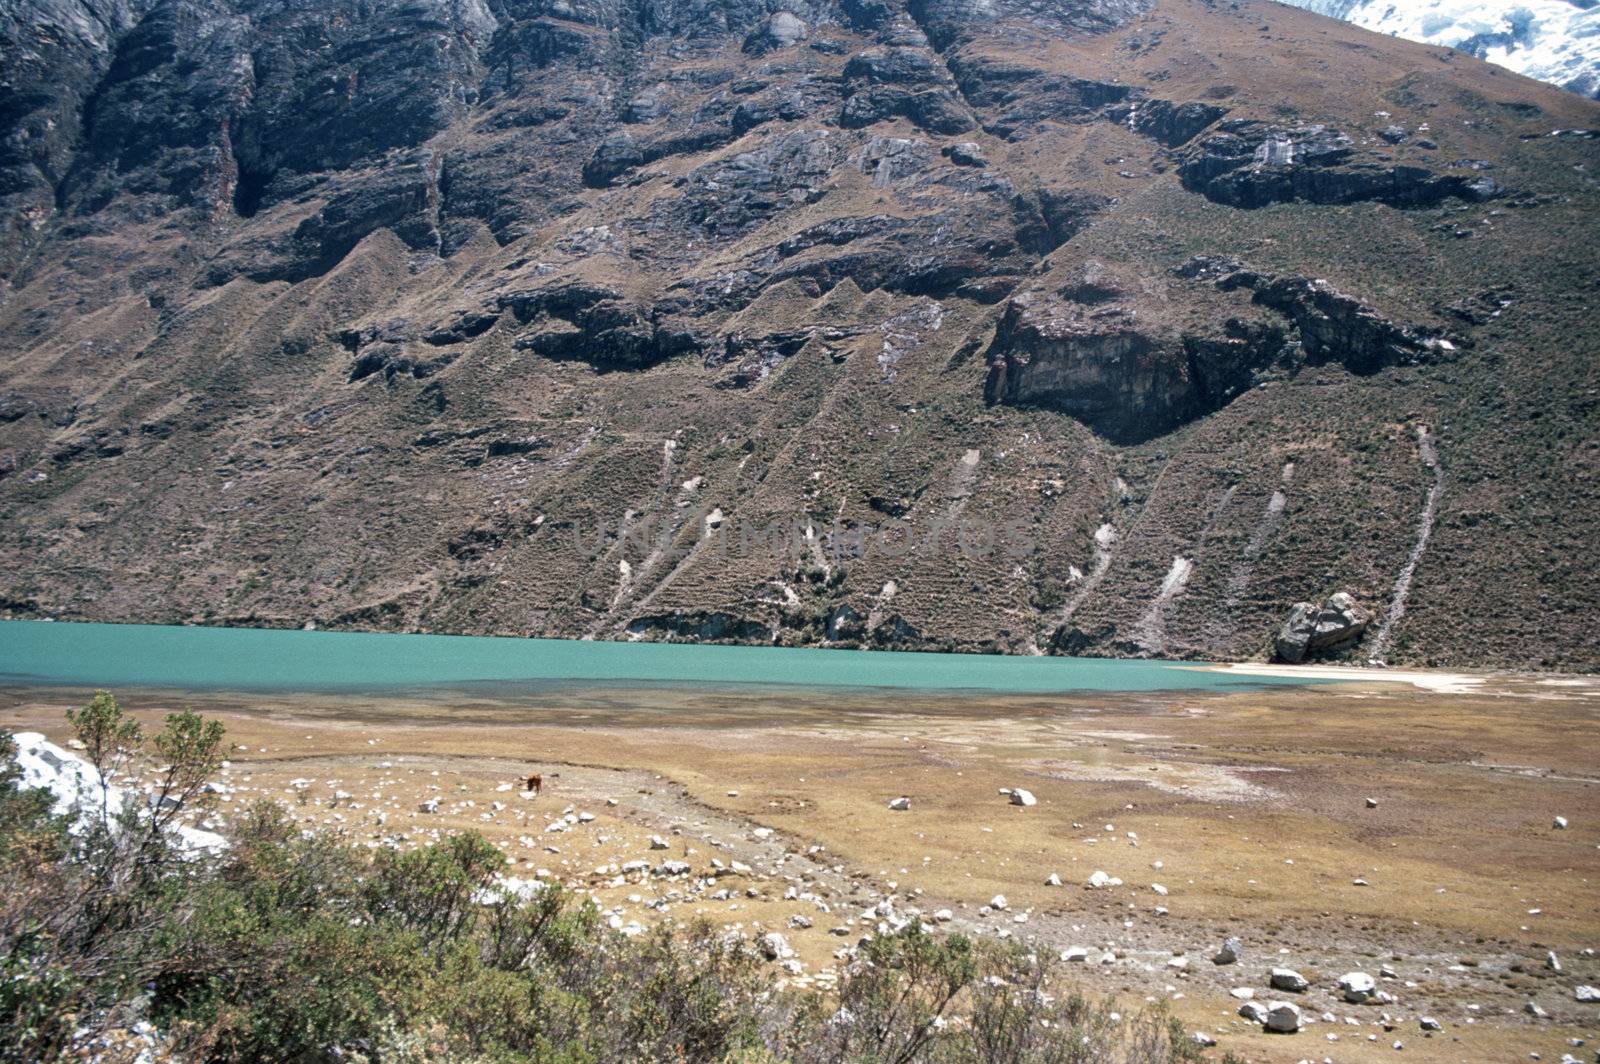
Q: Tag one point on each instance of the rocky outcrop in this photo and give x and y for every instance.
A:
(596, 324)
(1086, 350)
(1100, 366)
(713, 626)
(885, 83)
(784, 29)
(1173, 124)
(387, 347)
(1251, 163)
(1313, 631)
(1015, 97)
(1326, 325)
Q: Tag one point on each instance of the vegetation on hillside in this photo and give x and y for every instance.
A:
(295, 946)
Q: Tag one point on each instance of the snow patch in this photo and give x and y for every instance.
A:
(1550, 40)
(75, 785)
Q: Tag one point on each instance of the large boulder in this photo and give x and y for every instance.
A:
(1358, 987)
(1311, 631)
(1283, 1017)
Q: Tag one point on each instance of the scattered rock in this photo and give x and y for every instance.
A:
(1098, 880)
(901, 803)
(1254, 1011)
(1586, 994)
(1560, 823)
(1052, 880)
(1232, 949)
(1022, 797)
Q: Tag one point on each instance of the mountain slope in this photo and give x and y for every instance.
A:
(1552, 40)
(988, 326)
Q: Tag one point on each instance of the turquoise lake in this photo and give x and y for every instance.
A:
(256, 659)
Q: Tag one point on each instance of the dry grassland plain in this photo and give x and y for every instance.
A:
(1249, 810)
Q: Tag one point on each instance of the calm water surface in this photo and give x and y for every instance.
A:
(256, 659)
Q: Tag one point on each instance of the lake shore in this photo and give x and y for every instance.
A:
(1248, 808)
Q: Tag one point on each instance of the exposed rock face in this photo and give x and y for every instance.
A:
(846, 321)
(1173, 124)
(1311, 631)
(1097, 365)
(1248, 163)
(1088, 352)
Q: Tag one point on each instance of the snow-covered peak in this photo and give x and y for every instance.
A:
(1552, 40)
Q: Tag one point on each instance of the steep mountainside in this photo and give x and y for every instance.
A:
(1553, 40)
(1095, 327)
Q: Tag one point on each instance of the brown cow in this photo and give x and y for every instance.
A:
(535, 783)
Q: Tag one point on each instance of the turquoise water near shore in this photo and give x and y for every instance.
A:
(260, 659)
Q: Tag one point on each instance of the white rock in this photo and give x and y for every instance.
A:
(1075, 955)
(774, 946)
(1560, 823)
(76, 787)
(1098, 880)
(1254, 1011)
(658, 843)
(1231, 951)
(900, 804)
(1586, 994)
(1533, 1008)
(1358, 987)
(998, 903)
(1022, 797)
(1052, 880)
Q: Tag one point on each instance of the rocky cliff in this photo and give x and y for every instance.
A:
(1097, 326)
